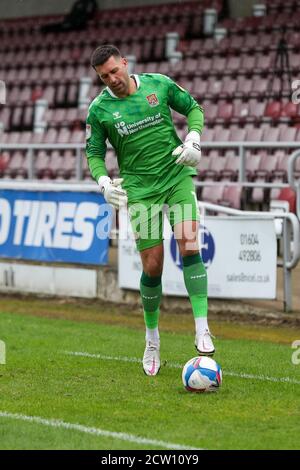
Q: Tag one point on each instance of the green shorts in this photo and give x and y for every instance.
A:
(179, 203)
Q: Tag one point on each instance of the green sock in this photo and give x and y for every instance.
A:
(150, 288)
(195, 279)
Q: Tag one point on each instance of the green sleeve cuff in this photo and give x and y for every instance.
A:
(97, 167)
(195, 120)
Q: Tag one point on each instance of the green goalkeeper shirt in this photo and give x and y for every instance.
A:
(141, 131)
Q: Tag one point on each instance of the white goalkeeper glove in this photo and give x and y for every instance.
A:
(113, 192)
(189, 153)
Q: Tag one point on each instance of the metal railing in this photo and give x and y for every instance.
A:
(240, 146)
(291, 179)
(290, 232)
(31, 148)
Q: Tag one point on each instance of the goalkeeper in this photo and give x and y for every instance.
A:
(156, 169)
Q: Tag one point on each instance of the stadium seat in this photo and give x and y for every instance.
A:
(240, 113)
(213, 194)
(204, 65)
(189, 67)
(256, 110)
(228, 87)
(244, 87)
(49, 94)
(259, 87)
(41, 166)
(207, 134)
(17, 165)
(231, 168)
(4, 162)
(77, 137)
(264, 63)
(232, 197)
(273, 109)
(250, 43)
(37, 137)
(271, 134)
(202, 167)
(25, 137)
(221, 135)
(288, 134)
(254, 135)
(68, 169)
(217, 165)
(280, 172)
(56, 162)
(289, 111)
(224, 113)
(50, 136)
(252, 165)
(163, 68)
(199, 88)
(5, 114)
(211, 113)
(218, 65)
(247, 63)
(64, 136)
(214, 87)
(194, 48)
(264, 173)
(237, 135)
(288, 194)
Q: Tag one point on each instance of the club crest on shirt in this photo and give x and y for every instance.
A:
(152, 100)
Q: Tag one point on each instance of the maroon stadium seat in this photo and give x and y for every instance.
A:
(273, 109)
(289, 110)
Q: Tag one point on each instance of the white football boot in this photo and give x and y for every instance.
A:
(151, 359)
(204, 344)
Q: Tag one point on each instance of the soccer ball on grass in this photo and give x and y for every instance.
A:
(202, 374)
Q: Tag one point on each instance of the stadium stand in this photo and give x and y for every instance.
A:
(230, 78)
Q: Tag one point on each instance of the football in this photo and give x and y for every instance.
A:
(202, 374)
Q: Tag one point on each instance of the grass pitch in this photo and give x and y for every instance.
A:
(104, 390)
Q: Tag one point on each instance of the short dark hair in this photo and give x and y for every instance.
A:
(103, 53)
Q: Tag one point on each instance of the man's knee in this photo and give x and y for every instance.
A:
(188, 247)
(152, 261)
(186, 234)
(152, 267)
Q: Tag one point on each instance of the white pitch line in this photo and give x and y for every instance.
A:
(57, 423)
(179, 366)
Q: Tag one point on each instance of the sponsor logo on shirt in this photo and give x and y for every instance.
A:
(152, 100)
(122, 128)
(125, 128)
